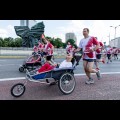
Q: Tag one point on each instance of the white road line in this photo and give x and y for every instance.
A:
(8, 79)
(23, 78)
(105, 73)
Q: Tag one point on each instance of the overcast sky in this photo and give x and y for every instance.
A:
(58, 28)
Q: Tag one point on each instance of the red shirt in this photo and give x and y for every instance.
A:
(69, 48)
(35, 49)
(48, 48)
(98, 51)
(40, 46)
(46, 67)
(91, 42)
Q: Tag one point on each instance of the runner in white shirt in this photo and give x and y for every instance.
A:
(89, 45)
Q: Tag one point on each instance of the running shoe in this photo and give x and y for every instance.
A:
(90, 81)
(103, 61)
(98, 75)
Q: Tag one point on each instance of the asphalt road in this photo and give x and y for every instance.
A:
(9, 67)
(108, 88)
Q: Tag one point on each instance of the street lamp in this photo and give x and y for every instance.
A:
(109, 38)
(115, 30)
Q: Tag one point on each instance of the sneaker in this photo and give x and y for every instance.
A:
(77, 63)
(103, 61)
(90, 81)
(98, 75)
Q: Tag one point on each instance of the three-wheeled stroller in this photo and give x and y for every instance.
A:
(63, 76)
(32, 62)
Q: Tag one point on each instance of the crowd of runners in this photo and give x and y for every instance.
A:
(90, 50)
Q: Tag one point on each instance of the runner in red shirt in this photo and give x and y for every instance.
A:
(35, 48)
(69, 48)
(89, 45)
(115, 52)
(109, 51)
(48, 47)
(99, 55)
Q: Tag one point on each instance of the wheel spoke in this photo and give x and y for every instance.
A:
(67, 83)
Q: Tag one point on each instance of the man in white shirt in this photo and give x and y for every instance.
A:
(89, 45)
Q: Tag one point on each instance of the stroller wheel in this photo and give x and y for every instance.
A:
(21, 69)
(18, 90)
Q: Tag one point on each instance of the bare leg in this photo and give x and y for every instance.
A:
(96, 64)
(85, 69)
(90, 67)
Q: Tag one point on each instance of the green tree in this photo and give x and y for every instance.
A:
(64, 45)
(58, 43)
(1, 42)
(18, 42)
(71, 41)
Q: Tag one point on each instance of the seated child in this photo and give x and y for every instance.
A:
(67, 62)
(50, 66)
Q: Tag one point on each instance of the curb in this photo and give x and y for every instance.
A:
(15, 57)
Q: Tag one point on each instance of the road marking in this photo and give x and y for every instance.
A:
(8, 79)
(23, 78)
(105, 73)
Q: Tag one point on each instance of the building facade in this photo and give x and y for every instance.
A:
(115, 42)
(70, 36)
(28, 23)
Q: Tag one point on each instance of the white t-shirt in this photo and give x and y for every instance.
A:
(109, 50)
(65, 64)
(83, 44)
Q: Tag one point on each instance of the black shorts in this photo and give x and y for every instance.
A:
(49, 57)
(89, 60)
(98, 56)
(109, 56)
(115, 54)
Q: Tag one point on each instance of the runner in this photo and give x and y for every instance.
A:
(77, 56)
(40, 46)
(69, 48)
(115, 53)
(35, 48)
(99, 55)
(109, 51)
(48, 48)
(87, 43)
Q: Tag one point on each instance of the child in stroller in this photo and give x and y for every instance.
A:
(50, 65)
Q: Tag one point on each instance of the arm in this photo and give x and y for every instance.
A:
(95, 42)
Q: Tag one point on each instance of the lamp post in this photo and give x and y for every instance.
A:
(115, 27)
(109, 38)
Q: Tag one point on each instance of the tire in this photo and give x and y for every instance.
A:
(21, 69)
(67, 80)
(20, 87)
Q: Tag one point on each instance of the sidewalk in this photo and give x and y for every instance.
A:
(108, 88)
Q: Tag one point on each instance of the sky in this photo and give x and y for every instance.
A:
(58, 28)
